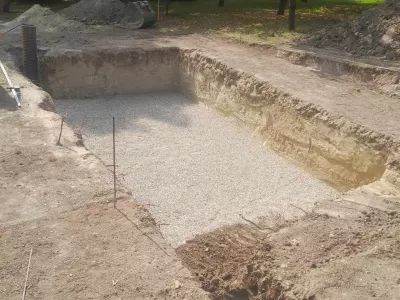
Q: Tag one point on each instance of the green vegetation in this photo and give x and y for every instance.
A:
(252, 20)
(187, 7)
(256, 20)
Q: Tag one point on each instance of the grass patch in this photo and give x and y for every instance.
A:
(250, 20)
(256, 20)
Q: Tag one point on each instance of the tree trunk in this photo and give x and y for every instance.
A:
(221, 3)
(5, 5)
(281, 7)
(167, 7)
(292, 14)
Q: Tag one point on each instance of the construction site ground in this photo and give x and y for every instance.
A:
(57, 199)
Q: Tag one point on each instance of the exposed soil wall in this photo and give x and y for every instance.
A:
(343, 153)
(109, 72)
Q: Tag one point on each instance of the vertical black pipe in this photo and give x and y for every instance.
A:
(29, 52)
(292, 14)
(167, 7)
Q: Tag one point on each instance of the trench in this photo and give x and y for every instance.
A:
(199, 142)
(194, 170)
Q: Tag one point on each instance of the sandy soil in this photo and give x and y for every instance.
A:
(316, 257)
(57, 200)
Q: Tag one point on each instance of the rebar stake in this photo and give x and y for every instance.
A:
(114, 166)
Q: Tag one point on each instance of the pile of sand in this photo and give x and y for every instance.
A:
(94, 12)
(376, 32)
(46, 20)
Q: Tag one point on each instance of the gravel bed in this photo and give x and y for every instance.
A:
(193, 169)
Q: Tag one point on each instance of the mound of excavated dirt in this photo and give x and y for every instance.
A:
(376, 32)
(46, 20)
(93, 12)
(317, 257)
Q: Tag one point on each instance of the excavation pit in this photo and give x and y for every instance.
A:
(193, 169)
(198, 143)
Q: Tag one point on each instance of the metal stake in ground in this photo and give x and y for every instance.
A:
(114, 166)
(61, 130)
(27, 274)
(13, 89)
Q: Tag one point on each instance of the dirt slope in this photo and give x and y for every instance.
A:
(376, 32)
(93, 12)
(46, 20)
(316, 257)
(58, 201)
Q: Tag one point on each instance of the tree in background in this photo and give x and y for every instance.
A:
(281, 7)
(5, 5)
(292, 14)
(292, 11)
(167, 7)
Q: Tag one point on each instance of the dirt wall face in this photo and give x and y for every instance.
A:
(343, 153)
(73, 74)
(337, 150)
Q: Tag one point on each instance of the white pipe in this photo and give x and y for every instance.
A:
(10, 84)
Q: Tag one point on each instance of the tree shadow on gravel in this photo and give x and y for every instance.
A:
(129, 111)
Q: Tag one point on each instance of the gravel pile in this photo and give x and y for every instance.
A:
(376, 32)
(46, 20)
(96, 12)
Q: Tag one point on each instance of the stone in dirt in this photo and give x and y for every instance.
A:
(376, 32)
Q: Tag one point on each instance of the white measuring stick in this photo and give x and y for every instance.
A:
(10, 84)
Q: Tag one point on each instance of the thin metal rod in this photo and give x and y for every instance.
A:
(27, 274)
(114, 165)
(61, 130)
(11, 29)
(15, 95)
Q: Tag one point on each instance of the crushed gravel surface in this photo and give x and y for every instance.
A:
(194, 169)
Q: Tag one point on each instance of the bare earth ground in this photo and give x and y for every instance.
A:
(57, 200)
(318, 257)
